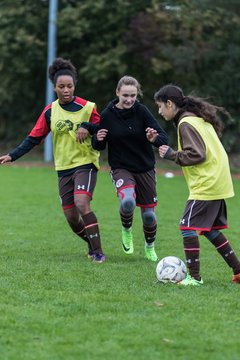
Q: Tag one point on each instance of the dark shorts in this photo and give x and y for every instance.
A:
(144, 185)
(204, 215)
(80, 182)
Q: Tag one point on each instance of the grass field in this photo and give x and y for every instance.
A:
(56, 305)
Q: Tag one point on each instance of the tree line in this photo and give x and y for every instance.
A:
(192, 43)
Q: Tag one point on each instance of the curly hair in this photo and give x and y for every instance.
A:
(196, 105)
(60, 67)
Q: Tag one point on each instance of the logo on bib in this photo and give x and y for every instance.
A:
(65, 126)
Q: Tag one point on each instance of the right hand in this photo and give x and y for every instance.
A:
(82, 134)
(5, 159)
(162, 150)
(101, 134)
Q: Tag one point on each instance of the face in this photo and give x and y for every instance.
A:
(64, 89)
(167, 110)
(127, 96)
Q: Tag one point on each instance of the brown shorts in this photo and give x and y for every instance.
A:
(204, 215)
(144, 185)
(82, 181)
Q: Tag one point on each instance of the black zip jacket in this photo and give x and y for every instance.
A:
(128, 147)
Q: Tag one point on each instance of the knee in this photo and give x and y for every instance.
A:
(127, 200)
(128, 205)
(82, 205)
(188, 233)
(211, 235)
(149, 218)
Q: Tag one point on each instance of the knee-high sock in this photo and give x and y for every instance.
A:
(127, 205)
(126, 219)
(149, 225)
(81, 232)
(224, 248)
(192, 253)
(79, 229)
(92, 231)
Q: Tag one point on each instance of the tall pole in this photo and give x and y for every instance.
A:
(50, 96)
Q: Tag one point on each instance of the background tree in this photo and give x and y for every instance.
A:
(192, 43)
(23, 36)
(195, 46)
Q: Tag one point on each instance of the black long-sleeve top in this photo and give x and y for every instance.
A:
(128, 147)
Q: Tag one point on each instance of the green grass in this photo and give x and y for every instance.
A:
(55, 304)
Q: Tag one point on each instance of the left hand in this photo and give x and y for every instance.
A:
(82, 134)
(151, 134)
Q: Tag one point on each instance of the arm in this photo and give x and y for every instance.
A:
(36, 136)
(155, 138)
(99, 140)
(90, 127)
(193, 147)
(154, 132)
(27, 144)
(161, 138)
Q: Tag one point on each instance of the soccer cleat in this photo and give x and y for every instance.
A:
(127, 241)
(189, 280)
(98, 258)
(150, 253)
(236, 278)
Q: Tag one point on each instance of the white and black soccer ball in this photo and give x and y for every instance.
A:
(171, 269)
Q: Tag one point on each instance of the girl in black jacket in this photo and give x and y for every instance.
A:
(129, 129)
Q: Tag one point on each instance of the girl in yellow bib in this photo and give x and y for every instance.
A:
(206, 169)
(76, 162)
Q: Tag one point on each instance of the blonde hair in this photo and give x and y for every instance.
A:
(129, 80)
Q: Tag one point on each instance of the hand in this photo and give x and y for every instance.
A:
(151, 134)
(101, 134)
(82, 134)
(5, 159)
(162, 150)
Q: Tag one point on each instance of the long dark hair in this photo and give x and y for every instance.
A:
(193, 104)
(60, 67)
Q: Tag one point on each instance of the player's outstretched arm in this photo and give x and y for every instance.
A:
(5, 159)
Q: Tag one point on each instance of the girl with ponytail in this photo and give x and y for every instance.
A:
(206, 169)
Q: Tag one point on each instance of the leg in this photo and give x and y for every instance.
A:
(126, 210)
(219, 241)
(124, 184)
(195, 216)
(75, 222)
(146, 198)
(82, 203)
(192, 252)
(72, 215)
(127, 200)
(84, 184)
(224, 248)
(149, 229)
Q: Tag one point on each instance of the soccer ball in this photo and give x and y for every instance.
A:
(171, 269)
